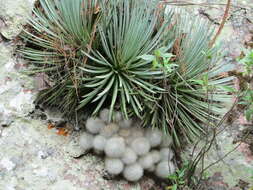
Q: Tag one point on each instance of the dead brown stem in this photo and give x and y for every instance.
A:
(225, 16)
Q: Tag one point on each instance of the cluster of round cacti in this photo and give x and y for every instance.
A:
(129, 149)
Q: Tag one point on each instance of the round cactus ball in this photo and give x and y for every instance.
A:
(166, 141)
(115, 147)
(99, 143)
(94, 125)
(166, 154)
(104, 115)
(114, 166)
(164, 169)
(156, 156)
(86, 141)
(133, 172)
(129, 156)
(109, 130)
(154, 136)
(140, 146)
(124, 133)
(117, 116)
(146, 161)
(125, 123)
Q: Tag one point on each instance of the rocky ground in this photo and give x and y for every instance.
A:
(34, 156)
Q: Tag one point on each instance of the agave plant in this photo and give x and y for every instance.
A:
(130, 55)
(57, 33)
(91, 51)
(117, 73)
(196, 90)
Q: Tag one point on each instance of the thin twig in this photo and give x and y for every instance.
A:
(211, 5)
(225, 16)
(228, 153)
(93, 33)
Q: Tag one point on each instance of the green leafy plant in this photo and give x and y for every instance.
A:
(247, 62)
(161, 60)
(178, 179)
(247, 99)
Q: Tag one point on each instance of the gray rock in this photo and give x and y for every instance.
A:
(14, 14)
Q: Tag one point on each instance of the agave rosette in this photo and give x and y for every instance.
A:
(57, 33)
(117, 71)
(197, 91)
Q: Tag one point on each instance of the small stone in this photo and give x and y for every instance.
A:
(7, 164)
(42, 155)
(73, 148)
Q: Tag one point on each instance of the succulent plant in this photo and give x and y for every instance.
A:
(115, 147)
(133, 172)
(196, 90)
(128, 55)
(166, 154)
(146, 161)
(140, 146)
(109, 130)
(114, 166)
(86, 141)
(129, 156)
(155, 156)
(57, 33)
(94, 125)
(164, 169)
(128, 159)
(154, 136)
(99, 143)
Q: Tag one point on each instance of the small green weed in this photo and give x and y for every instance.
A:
(247, 61)
(162, 60)
(178, 178)
(247, 99)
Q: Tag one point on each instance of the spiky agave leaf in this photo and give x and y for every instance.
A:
(58, 32)
(195, 93)
(117, 71)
